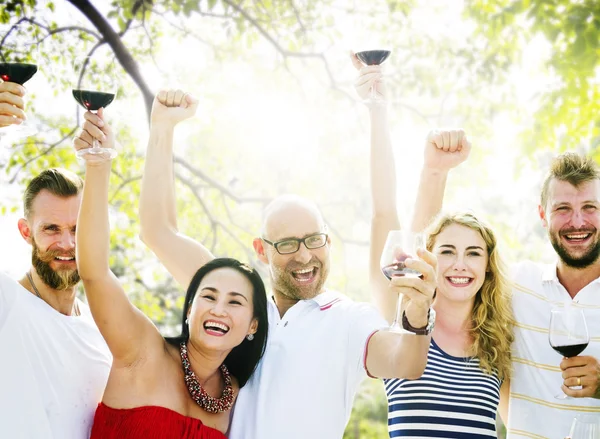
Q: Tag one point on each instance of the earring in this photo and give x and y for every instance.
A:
(186, 322)
(250, 337)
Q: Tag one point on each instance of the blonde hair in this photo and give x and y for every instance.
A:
(572, 168)
(492, 313)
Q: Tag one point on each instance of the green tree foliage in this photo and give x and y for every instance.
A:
(251, 61)
(567, 114)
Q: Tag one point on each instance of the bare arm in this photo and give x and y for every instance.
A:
(383, 187)
(181, 255)
(126, 330)
(393, 355)
(504, 399)
(444, 150)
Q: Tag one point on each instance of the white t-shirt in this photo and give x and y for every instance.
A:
(533, 411)
(304, 386)
(53, 368)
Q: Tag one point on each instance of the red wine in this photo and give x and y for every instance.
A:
(399, 269)
(17, 72)
(373, 57)
(93, 100)
(570, 350)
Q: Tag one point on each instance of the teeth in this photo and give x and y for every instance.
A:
(459, 280)
(308, 270)
(216, 325)
(64, 258)
(582, 236)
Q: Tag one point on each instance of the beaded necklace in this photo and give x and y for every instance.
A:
(197, 392)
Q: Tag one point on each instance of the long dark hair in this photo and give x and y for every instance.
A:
(243, 359)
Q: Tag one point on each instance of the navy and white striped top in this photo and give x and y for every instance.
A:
(453, 399)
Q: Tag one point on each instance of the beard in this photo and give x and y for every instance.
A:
(582, 261)
(283, 280)
(59, 279)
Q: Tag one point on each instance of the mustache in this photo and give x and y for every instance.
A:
(314, 262)
(50, 255)
(573, 230)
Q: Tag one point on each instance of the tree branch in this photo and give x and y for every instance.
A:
(116, 44)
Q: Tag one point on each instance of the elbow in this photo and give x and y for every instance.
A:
(413, 370)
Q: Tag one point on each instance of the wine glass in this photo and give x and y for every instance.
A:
(399, 245)
(90, 76)
(568, 333)
(373, 58)
(585, 426)
(18, 73)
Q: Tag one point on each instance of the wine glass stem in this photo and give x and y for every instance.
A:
(398, 310)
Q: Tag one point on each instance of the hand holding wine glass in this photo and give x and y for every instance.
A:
(13, 76)
(399, 246)
(568, 334)
(12, 105)
(95, 131)
(89, 77)
(370, 85)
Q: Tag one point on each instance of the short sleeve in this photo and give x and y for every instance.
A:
(8, 296)
(365, 321)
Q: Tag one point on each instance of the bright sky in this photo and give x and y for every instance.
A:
(245, 105)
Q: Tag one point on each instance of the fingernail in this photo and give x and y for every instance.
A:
(100, 123)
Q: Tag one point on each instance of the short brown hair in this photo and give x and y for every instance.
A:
(59, 182)
(572, 168)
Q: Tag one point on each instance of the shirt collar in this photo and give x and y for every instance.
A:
(549, 273)
(327, 299)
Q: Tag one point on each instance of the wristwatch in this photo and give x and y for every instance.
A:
(426, 330)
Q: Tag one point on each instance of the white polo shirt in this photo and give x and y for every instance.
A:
(533, 410)
(304, 386)
(53, 368)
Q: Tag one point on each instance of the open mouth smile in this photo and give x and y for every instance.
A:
(218, 329)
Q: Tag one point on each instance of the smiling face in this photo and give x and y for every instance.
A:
(302, 274)
(221, 314)
(462, 262)
(50, 229)
(572, 217)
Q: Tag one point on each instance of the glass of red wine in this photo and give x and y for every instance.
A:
(399, 245)
(90, 75)
(19, 73)
(568, 334)
(373, 58)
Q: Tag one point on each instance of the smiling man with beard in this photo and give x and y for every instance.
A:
(55, 363)
(569, 209)
(321, 344)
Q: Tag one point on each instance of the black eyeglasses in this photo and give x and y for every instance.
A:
(291, 245)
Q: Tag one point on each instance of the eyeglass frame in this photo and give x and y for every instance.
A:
(276, 244)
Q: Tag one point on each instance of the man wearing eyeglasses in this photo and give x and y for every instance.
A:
(321, 344)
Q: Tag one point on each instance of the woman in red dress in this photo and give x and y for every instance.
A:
(181, 387)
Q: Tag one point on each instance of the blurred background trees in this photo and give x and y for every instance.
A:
(278, 114)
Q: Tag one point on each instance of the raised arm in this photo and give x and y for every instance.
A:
(444, 150)
(383, 186)
(127, 331)
(181, 255)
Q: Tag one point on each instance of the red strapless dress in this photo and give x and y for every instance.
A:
(148, 422)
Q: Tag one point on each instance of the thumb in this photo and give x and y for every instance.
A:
(355, 61)
(466, 144)
(100, 112)
(190, 100)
